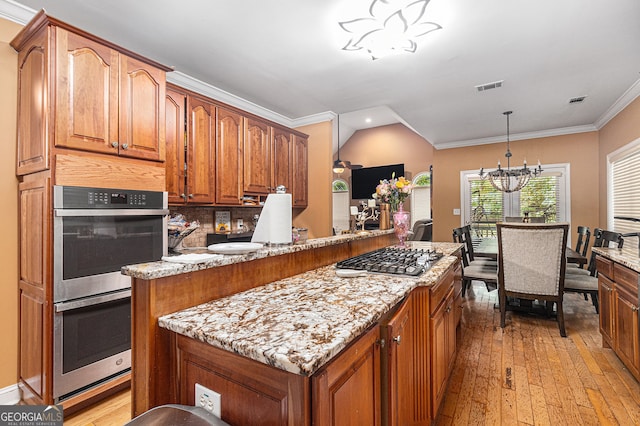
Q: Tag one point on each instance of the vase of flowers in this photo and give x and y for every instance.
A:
(394, 191)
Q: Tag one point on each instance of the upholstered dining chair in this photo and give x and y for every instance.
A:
(585, 281)
(531, 265)
(474, 269)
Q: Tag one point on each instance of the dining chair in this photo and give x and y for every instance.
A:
(531, 264)
(478, 269)
(582, 246)
(422, 230)
(585, 281)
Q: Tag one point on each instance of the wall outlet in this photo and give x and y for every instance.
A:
(239, 223)
(209, 400)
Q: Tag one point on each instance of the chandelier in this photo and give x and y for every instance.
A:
(392, 26)
(510, 180)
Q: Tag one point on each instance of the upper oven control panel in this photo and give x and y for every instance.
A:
(76, 197)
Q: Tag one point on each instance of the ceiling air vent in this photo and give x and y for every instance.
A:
(577, 99)
(487, 86)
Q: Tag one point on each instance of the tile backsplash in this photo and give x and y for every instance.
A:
(206, 217)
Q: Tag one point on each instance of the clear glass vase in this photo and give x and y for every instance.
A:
(401, 224)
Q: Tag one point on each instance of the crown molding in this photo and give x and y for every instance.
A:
(320, 117)
(518, 136)
(15, 12)
(621, 103)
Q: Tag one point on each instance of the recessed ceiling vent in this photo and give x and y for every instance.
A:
(577, 99)
(488, 86)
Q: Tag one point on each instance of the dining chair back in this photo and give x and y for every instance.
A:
(531, 265)
(422, 230)
(478, 269)
(584, 236)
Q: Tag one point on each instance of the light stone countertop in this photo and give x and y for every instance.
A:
(628, 256)
(299, 323)
(160, 269)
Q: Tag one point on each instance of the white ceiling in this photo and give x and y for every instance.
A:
(284, 57)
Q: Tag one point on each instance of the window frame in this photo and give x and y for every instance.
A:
(514, 204)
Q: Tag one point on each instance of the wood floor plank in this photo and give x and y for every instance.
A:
(539, 405)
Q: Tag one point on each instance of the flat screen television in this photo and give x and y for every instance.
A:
(365, 180)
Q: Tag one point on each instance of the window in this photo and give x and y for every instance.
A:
(624, 191)
(545, 196)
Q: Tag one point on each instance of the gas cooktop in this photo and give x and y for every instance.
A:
(393, 260)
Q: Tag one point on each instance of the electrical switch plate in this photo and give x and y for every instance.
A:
(239, 223)
(456, 212)
(209, 400)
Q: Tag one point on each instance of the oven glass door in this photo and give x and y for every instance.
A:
(92, 340)
(93, 245)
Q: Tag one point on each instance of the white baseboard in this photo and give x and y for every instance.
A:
(10, 395)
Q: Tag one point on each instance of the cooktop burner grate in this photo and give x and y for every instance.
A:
(393, 260)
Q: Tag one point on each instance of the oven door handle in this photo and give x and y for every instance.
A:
(90, 301)
(111, 212)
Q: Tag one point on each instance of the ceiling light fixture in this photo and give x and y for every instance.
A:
(391, 27)
(508, 180)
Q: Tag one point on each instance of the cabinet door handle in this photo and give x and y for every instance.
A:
(190, 195)
(183, 196)
(114, 144)
(397, 339)
(634, 308)
(125, 145)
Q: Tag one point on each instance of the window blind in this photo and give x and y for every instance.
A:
(626, 194)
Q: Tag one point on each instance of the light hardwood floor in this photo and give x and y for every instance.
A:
(525, 374)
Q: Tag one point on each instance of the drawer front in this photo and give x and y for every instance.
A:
(627, 278)
(439, 291)
(604, 266)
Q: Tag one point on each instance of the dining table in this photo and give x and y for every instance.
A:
(488, 247)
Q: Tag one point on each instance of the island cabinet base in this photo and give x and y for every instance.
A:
(251, 392)
(619, 306)
(394, 373)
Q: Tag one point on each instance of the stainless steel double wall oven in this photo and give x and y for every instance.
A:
(96, 232)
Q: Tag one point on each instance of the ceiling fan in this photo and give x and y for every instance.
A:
(340, 165)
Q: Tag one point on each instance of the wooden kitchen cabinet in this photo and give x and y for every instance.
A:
(400, 365)
(282, 154)
(106, 101)
(176, 147)
(443, 348)
(229, 156)
(190, 128)
(605, 300)
(257, 157)
(300, 178)
(35, 313)
(347, 390)
(618, 292)
(200, 186)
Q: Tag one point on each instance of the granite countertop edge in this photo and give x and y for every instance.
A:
(161, 269)
(626, 256)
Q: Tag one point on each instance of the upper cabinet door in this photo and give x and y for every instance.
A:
(200, 149)
(175, 145)
(300, 179)
(257, 170)
(33, 144)
(229, 145)
(87, 94)
(106, 101)
(282, 161)
(142, 103)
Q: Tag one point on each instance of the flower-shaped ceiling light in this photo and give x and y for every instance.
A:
(392, 28)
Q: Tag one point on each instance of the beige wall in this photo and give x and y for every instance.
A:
(392, 144)
(622, 129)
(9, 196)
(579, 150)
(317, 216)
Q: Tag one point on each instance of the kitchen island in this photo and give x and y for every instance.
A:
(271, 343)
(619, 298)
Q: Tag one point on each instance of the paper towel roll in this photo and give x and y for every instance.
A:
(274, 224)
